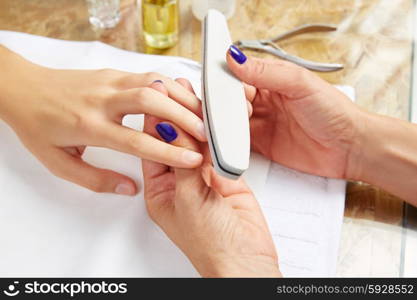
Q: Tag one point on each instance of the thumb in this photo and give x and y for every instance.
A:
(182, 139)
(224, 186)
(189, 183)
(272, 74)
(74, 169)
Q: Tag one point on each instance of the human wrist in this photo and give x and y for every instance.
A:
(364, 146)
(385, 155)
(20, 80)
(244, 266)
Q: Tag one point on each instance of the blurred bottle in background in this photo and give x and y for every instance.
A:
(160, 23)
(200, 7)
(104, 13)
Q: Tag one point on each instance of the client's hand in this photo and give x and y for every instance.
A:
(298, 119)
(216, 222)
(57, 113)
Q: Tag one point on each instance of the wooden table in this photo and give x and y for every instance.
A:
(374, 42)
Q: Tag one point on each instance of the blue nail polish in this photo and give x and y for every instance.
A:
(160, 81)
(167, 132)
(237, 55)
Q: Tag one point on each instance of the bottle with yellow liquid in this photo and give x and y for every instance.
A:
(160, 23)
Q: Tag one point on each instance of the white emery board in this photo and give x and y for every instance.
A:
(224, 103)
(50, 227)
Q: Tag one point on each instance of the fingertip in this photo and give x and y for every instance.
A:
(237, 55)
(230, 61)
(159, 86)
(186, 84)
(238, 69)
(127, 188)
(192, 159)
(201, 131)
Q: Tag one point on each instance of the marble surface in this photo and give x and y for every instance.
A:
(373, 41)
(369, 249)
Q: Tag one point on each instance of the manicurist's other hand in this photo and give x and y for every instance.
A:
(298, 119)
(216, 222)
(303, 122)
(57, 113)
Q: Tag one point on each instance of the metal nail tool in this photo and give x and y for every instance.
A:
(270, 46)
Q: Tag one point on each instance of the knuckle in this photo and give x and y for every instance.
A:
(259, 67)
(143, 93)
(183, 81)
(300, 74)
(305, 83)
(93, 100)
(96, 99)
(125, 81)
(142, 96)
(152, 76)
(285, 63)
(133, 141)
(303, 75)
(169, 152)
(88, 125)
(95, 185)
(81, 123)
(106, 72)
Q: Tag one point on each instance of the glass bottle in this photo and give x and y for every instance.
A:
(160, 23)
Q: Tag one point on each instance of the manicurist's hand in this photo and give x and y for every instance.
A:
(216, 222)
(57, 113)
(303, 122)
(298, 119)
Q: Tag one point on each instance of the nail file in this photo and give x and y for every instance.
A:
(224, 102)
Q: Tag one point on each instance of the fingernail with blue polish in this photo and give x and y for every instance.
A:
(167, 132)
(160, 81)
(237, 55)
